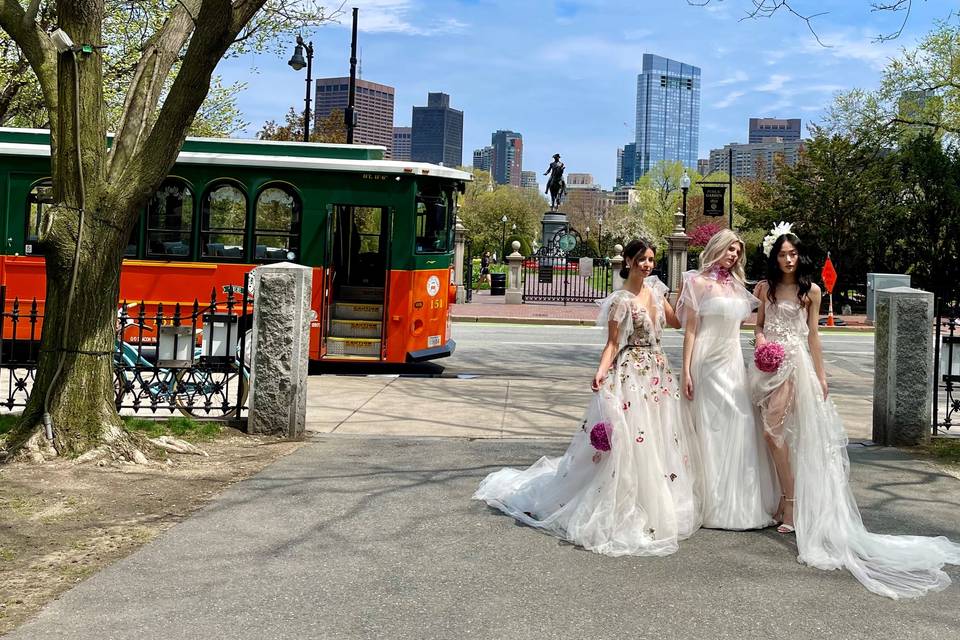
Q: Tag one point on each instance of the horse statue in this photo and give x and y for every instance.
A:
(556, 185)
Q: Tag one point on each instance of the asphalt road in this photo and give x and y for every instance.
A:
(560, 352)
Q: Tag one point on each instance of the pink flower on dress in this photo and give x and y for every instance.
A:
(600, 436)
(656, 381)
(769, 356)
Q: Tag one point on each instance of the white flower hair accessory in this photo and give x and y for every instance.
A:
(778, 230)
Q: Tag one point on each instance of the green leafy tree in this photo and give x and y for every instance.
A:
(483, 206)
(98, 192)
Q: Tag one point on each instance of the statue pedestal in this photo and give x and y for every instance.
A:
(552, 222)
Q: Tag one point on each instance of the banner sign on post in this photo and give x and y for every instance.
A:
(713, 200)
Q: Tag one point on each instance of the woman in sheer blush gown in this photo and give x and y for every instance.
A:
(628, 483)
(809, 444)
(740, 491)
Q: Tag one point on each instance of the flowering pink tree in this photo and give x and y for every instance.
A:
(702, 234)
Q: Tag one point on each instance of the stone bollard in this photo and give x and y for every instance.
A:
(280, 348)
(616, 263)
(677, 243)
(514, 276)
(903, 367)
(459, 249)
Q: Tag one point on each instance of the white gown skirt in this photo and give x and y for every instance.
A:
(639, 498)
(740, 488)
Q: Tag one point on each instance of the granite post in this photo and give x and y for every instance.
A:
(903, 366)
(459, 250)
(280, 348)
(514, 276)
(677, 243)
(616, 263)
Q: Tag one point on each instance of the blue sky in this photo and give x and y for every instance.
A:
(563, 72)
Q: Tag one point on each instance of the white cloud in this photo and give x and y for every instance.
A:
(851, 45)
(737, 78)
(394, 16)
(729, 99)
(776, 83)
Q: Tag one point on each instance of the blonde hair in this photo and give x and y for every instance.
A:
(717, 247)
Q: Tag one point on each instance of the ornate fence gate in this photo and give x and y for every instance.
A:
(190, 360)
(946, 399)
(565, 271)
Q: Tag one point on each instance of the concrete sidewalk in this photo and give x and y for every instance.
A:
(487, 308)
(364, 537)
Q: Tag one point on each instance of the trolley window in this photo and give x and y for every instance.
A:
(38, 201)
(224, 222)
(170, 220)
(278, 214)
(433, 224)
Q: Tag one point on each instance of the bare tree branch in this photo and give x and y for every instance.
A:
(211, 38)
(896, 5)
(160, 54)
(36, 46)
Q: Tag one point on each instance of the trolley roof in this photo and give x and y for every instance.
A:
(257, 153)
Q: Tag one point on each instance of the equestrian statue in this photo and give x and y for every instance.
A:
(556, 185)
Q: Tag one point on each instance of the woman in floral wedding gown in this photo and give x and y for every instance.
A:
(642, 495)
(809, 444)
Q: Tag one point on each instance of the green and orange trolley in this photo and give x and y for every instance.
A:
(377, 233)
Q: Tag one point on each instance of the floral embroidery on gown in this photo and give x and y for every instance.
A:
(643, 495)
(740, 488)
(830, 532)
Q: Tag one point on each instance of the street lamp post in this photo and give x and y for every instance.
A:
(503, 239)
(684, 187)
(600, 236)
(296, 61)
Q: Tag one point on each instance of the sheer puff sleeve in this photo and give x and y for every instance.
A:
(688, 305)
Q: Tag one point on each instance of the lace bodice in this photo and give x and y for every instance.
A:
(638, 326)
(785, 321)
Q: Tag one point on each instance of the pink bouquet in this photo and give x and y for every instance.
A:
(769, 356)
(600, 436)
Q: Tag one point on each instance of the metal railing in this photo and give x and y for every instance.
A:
(189, 359)
(946, 367)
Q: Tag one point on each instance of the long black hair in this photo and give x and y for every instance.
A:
(634, 248)
(775, 275)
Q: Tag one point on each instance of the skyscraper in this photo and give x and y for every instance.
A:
(757, 159)
(627, 165)
(437, 134)
(761, 128)
(401, 143)
(483, 158)
(507, 159)
(528, 180)
(374, 106)
(668, 113)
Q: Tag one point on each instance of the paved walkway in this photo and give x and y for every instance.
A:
(487, 308)
(373, 537)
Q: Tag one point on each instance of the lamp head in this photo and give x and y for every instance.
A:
(296, 60)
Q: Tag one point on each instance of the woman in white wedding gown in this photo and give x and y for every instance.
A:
(808, 443)
(642, 495)
(739, 487)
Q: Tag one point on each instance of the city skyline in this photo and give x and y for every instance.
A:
(529, 73)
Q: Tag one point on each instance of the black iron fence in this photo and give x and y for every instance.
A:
(551, 276)
(946, 363)
(190, 359)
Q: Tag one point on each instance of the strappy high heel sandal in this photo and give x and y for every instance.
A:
(784, 527)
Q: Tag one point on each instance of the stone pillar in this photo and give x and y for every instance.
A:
(552, 222)
(903, 367)
(459, 249)
(515, 275)
(280, 348)
(677, 243)
(616, 263)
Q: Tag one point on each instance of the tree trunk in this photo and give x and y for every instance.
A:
(81, 400)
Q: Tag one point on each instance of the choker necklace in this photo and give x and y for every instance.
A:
(722, 275)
